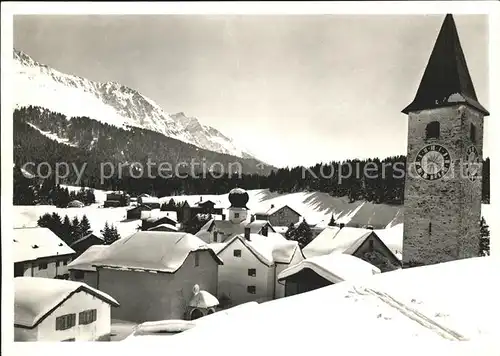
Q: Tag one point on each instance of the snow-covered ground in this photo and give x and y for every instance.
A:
(424, 310)
(314, 206)
(317, 207)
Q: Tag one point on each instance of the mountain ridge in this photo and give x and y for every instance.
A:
(38, 84)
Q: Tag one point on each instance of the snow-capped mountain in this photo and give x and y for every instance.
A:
(37, 84)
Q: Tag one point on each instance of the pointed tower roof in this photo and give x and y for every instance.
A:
(446, 80)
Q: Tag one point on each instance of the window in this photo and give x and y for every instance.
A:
(65, 322)
(236, 215)
(65, 262)
(87, 317)
(42, 266)
(370, 242)
(79, 274)
(432, 130)
(196, 259)
(473, 133)
(237, 253)
(252, 272)
(251, 289)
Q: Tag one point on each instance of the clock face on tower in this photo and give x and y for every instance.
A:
(472, 163)
(432, 162)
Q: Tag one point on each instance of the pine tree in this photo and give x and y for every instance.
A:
(75, 229)
(110, 234)
(85, 227)
(303, 234)
(290, 233)
(484, 240)
(66, 231)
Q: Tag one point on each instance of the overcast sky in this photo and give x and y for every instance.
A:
(295, 90)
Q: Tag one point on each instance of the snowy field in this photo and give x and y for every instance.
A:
(314, 206)
(425, 310)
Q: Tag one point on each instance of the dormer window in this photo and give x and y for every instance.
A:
(473, 133)
(432, 130)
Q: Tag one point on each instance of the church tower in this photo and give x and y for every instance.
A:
(442, 199)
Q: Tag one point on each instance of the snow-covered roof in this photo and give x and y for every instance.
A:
(37, 242)
(217, 246)
(35, 298)
(392, 237)
(149, 200)
(87, 258)
(268, 249)
(161, 251)
(321, 245)
(158, 214)
(422, 308)
(334, 267)
(163, 227)
(83, 238)
(334, 239)
(203, 299)
(272, 209)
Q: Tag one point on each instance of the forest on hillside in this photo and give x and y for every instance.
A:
(96, 142)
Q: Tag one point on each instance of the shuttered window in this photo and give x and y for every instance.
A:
(87, 317)
(65, 322)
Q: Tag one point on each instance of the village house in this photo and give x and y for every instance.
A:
(81, 269)
(38, 252)
(116, 199)
(136, 212)
(321, 271)
(84, 242)
(152, 202)
(188, 211)
(59, 310)
(279, 215)
(252, 263)
(153, 274)
(362, 243)
(153, 218)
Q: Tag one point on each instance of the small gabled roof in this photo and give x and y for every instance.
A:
(274, 208)
(83, 238)
(35, 298)
(32, 243)
(446, 80)
(334, 267)
(262, 251)
(158, 251)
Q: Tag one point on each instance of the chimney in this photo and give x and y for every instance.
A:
(264, 230)
(341, 225)
(215, 236)
(247, 233)
(272, 206)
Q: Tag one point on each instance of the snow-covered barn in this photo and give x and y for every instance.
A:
(362, 243)
(321, 271)
(60, 310)
(38, 252)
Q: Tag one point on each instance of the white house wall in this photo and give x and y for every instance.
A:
(31, 269)
(234, 278)
(78, 302)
